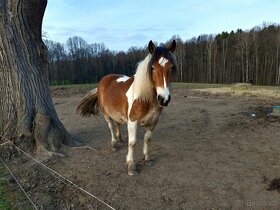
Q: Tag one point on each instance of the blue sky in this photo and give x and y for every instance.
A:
(121, 24)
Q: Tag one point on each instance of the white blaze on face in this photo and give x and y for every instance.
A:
(122, 79)
(162, 61)
(163, 91)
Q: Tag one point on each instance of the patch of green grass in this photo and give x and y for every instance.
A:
(5, 203)
(87, 86)
(11, 197)
(197, 85)
(206, 86)
(265, 87)
(174, 85)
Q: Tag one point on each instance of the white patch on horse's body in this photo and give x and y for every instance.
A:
(162, 61)
(122, 79)
(163, 91)
(130, 98)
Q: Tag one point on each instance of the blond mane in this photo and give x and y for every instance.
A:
(142, 86)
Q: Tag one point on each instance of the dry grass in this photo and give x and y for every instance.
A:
(242, 89)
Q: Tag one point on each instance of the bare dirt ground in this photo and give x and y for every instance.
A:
(207, 155)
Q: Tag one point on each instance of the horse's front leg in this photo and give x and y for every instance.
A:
(132, 138)
(147, 140)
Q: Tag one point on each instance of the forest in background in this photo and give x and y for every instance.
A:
(251, 56)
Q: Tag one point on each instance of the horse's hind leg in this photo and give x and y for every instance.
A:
(147, 140)
(111, 126)
(118, 133)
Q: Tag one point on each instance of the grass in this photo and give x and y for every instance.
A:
(264, 92)
(11, 197)
(235, 89)
(174, 85)
(5, 200)
(197, 85)
(86, 86)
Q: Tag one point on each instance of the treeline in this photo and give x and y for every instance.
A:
(251, 56)
(79, 62)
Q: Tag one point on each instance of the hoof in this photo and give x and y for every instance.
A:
(149, 162)
(120, 142)
(132, 172)
(115, 149)
(131, 169)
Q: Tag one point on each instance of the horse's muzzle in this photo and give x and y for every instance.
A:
(162, 101)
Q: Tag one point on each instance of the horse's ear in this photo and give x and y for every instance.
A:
(172, 46)
(151, 47)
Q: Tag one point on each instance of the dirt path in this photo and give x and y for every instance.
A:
(206, 156)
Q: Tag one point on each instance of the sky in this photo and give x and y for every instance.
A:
(121, 24)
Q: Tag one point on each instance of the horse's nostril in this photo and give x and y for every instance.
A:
(160, 99)
(163, 101)
(166, 102)
(169, 98)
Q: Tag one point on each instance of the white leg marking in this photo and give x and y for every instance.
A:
(111, 126)
(147, 140)
(132, 138)
(118, 132)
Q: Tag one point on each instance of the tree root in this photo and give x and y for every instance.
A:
(82, 147)
(44, 155)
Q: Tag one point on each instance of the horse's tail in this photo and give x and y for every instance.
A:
(88, 105)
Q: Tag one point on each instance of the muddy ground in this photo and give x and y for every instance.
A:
(206, 154)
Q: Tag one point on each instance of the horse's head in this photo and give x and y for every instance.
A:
(162, 65)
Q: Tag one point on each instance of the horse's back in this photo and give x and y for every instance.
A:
(112, 98)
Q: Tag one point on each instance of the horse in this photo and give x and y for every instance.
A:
(136, 101)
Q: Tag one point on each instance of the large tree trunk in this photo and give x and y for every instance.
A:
(27, 114)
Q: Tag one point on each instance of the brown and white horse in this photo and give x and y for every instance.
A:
(136, 100)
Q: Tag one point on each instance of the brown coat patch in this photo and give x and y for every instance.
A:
(146, 114)
(112, 98)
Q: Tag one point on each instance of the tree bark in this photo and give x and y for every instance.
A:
(27, 114)
(209, 47)
(224, 57)
(246, 48)
(214, 62)
(277, 60)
